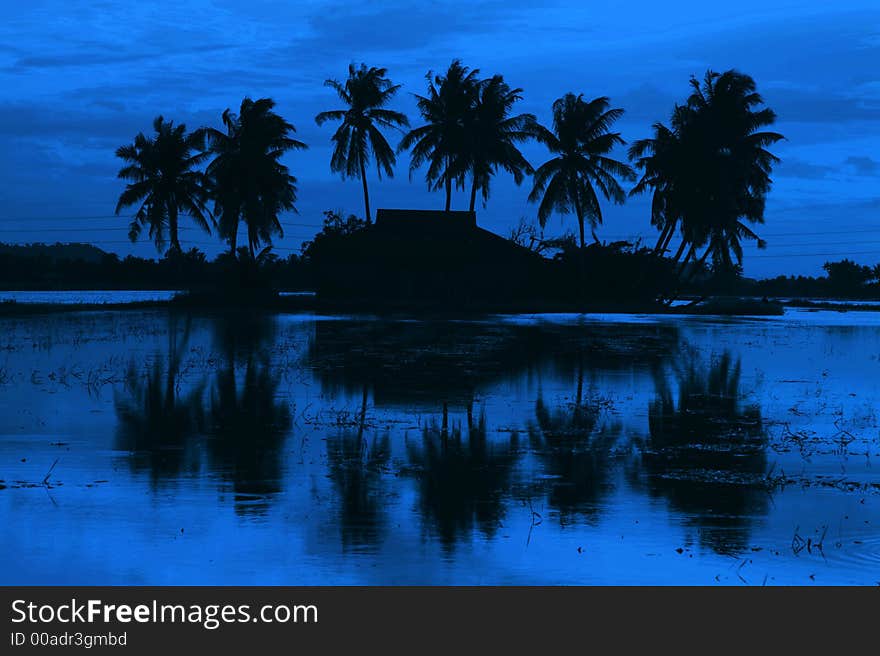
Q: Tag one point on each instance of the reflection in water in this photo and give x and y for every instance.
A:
(248, 421)
(248, 425)
(356, 467)
(574, 444)
(463, 479)
(428, 363)
(166, 411)
(156, 421)
(707, 451)
(418, 448)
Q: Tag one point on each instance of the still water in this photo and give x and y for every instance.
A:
(88, 296)
(159, 447)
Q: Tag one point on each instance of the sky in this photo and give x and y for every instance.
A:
(78, 79)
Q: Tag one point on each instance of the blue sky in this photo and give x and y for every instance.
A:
(78, 79)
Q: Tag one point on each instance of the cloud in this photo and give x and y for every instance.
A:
(798, 168)
(863, 165)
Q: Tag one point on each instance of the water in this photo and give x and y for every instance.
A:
(149, 447)
(80, 297)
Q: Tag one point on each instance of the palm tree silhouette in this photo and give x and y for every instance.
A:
(660, 158)
(442, 141)
(249, 183)
(493, 135)
(710, 171)
(366, 92)
(164, 180)
(581, 143)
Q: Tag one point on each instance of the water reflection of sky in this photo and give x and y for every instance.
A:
(296, 449)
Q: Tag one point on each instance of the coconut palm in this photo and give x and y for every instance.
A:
(710, 171)
(249, 182)
(580, 142)
(659, 158)
(493, 136)
(164, 181)
(366, 93)
(442, 141)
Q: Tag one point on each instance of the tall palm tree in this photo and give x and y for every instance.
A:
(366, 93)
(581, 143)
(710, 171)
(442, 141)
(660, 157)
(163, 179)
(249, 182)
(493, 135)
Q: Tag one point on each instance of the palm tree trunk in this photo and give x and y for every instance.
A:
(580, 216)
(595, 237)
(663, 241)
(669, 238)
(687, 259)
(473, 193)
(448, 183)
(679, 251)
(366, 192)
(233, 241)
(577, 208)
(172, 228)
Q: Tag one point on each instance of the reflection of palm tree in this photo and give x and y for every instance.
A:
(157, 423)
(356, 468)
(575, 448)
(463, 483)
(248, 423)
(706, 452)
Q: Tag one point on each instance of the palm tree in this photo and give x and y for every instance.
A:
(581, 143)
(249, 182)
(442, 141)
(164, 180)
(710, 171)
(494, 135)
(366, 92)
(659, 158)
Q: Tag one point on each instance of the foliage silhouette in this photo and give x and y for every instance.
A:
(581, 144)
(164, 182)
(248, 181)
(492, 136)
(366, 93)
(442, 142)
(710, 170)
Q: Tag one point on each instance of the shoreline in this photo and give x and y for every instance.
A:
(298, 304)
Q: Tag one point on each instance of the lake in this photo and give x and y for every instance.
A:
(161, 447)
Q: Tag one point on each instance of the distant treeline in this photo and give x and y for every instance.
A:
(627, 270)
(81, 266)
